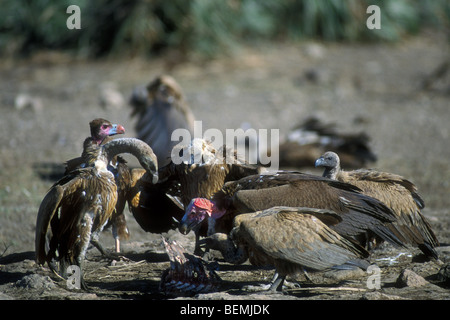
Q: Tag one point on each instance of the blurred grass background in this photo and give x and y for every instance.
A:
(203, 27)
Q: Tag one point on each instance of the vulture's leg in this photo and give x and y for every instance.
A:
(277, 285)
(306, 275)
(276, 276)
(83, 284)
(109, 255)
(115, 234)
(100, 248)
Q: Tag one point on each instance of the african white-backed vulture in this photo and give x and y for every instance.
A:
(77, 207)
(396, 192)
(288, 239)
(160, 108)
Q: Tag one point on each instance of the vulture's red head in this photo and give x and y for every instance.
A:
(101, 128)
(197, 210)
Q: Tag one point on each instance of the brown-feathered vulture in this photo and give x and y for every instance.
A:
(153, 206)
(77, 207)
(306, 142)
(160, 108)
(288, 239)
(396, 192)
(359, 213)
(102, 131)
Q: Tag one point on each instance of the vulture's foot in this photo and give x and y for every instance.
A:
(113, 256)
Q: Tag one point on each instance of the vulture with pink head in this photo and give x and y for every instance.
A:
(347, 214)
(77, 207)
(290, 239)
(101, 132)
(200, 172)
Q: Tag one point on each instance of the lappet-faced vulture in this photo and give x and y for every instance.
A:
(396, 192)
(77, 207)
(102, 131)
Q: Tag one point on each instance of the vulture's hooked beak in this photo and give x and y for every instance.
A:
(197, 210)
(187, 225)
(319, 162)
(116, 129)
(183, 228)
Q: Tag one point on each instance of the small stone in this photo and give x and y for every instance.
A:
(24, 101)
(408, 278)
(35, 281)
(444, 274)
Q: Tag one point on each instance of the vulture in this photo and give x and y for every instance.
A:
(160, 108)
(306, 142)
(101, 132)
(158, 207)
(290, 239)
(396, 192)
(359, 213)
(77, 207)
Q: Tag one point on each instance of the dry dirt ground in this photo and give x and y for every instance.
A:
(361, 87)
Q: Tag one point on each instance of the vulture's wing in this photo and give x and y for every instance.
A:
(49, 206)
(153, 205)
(359, 213)
(401, 196)
(296, 235)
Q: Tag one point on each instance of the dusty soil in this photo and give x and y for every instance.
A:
(361, 87)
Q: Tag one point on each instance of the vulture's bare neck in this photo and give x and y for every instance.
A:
(137, 148)
(332, 172)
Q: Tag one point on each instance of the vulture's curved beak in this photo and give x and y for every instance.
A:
(183, 228)
(116, 129)
(319, 162)
(186, 225)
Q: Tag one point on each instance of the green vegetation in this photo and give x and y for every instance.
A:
(206, 27)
